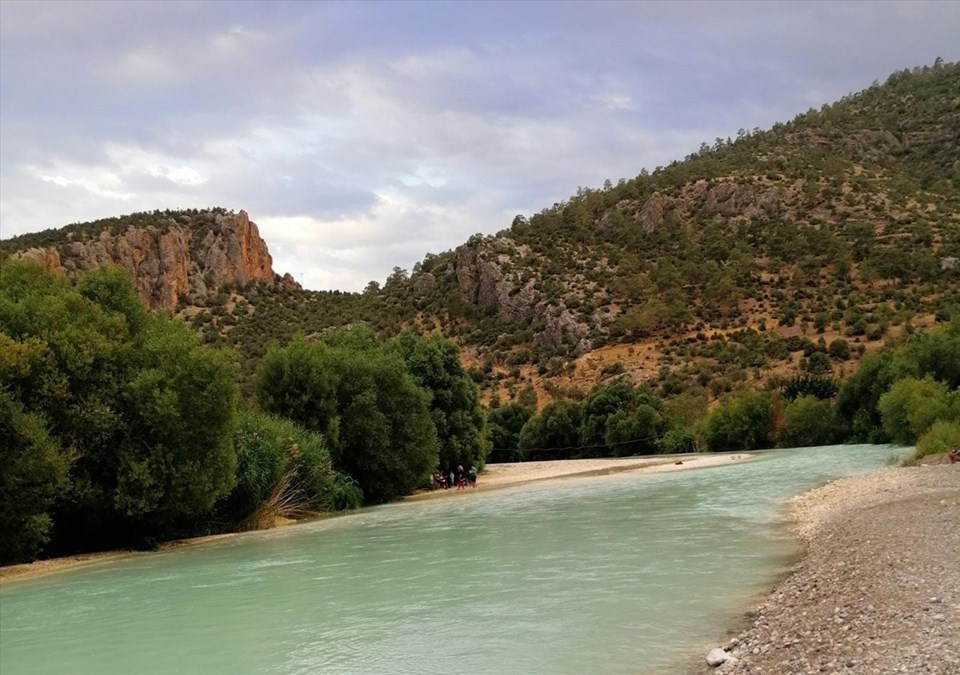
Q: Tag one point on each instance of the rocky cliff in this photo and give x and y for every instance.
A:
(490, 273)
(169, 256)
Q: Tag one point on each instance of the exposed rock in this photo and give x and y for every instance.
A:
(288, 283)
(935, 135)
(866, 144)
(483, 278)
(653, 212)
(564, 329)
(173, 260)
(716, 657)
(424, 283)
(483, 281)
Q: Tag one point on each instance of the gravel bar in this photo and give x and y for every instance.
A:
(878, 590)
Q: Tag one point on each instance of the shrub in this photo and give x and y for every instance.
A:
(808, 421)
(911, 407)
(283, 470)
(940, 437)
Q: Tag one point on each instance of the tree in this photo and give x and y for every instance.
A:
(373, 415)
(34, 473)
(633, 432)
(741, 422)
(140, 407)
(603, 402)
(503, 430)
(808, 421)
(911, 406)
(176, 458)
(455, 406)
(858, 397)
(553, 434)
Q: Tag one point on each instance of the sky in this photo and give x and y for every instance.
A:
(361, 136)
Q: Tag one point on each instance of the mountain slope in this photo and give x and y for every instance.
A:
(785, 251)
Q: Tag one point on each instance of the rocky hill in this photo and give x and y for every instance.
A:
(781, 252)
(174, 258)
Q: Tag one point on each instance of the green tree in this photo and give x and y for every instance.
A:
(633, 432)
(454, 398)
(34, 473)
(602, 403)
(143, 410)
(503, 430)
(373, 415)
(858, 398)
(741, 422)
(912, 406)
(176, 458)
(553, 434)
(808, 421)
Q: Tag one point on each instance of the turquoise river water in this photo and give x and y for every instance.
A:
(617, 574)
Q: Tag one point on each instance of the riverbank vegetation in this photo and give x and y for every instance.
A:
(120, 428)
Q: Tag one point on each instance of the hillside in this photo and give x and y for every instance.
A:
(786, 251)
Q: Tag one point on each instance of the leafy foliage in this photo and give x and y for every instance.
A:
(274, 454)
(141, 409)
(454, 398)
(34, 473)
(741, 422)
(368, 407)
(809, 421)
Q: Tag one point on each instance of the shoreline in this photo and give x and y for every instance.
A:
(876, 588)
(495, 477)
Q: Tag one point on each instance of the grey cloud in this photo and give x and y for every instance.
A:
(463, 114)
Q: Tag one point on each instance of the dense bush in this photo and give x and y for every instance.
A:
(34, 473)
(374, 417)
(142, 411)
(742, 421)
(454, 398)
(503, 428)
(283, 470)
(554, 433)
(911, 407)
(941, 437)
(808, 421)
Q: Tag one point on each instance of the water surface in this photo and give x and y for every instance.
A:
(617, 574)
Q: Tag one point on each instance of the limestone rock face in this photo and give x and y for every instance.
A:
(172, 260)
(487, 273)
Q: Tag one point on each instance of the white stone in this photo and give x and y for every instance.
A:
(716, 657)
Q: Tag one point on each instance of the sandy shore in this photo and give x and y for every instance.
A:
(521, 473)
(495, 476)
(878, 590)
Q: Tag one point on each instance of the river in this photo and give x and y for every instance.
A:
(627, 573)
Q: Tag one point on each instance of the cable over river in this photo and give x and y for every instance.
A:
(628, 573)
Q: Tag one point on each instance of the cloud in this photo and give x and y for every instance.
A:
(362, 136)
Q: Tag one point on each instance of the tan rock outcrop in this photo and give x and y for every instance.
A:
(178, 257)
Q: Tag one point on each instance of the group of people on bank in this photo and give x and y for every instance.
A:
(447, 478)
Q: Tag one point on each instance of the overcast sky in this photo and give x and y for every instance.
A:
(360, 136)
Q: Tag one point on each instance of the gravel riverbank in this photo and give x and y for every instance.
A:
(878, 590)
